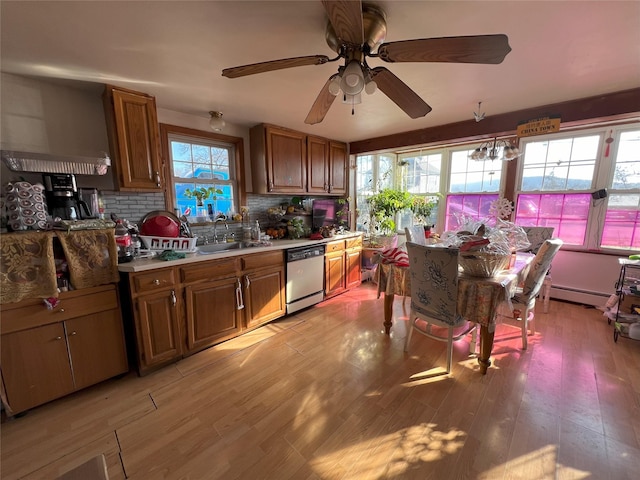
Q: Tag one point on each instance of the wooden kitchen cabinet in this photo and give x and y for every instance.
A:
(278, 160)
(288, 162)
(318, 164)
(338, 163)
(343, 261)
(334, 269)
(213, 302)
(132, 127)
(47, 354)
(264, 287)
(155, 301)
(353, 262)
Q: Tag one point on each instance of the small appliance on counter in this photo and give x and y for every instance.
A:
(63, 201)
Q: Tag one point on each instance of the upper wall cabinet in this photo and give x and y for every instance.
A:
(286, 161)
(132, 126)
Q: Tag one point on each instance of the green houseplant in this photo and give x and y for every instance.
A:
(383, 207)
(422, 207)
(201, 194)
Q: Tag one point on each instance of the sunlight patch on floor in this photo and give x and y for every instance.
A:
(411, 447)
(541, 464)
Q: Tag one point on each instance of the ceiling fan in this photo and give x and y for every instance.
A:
(356, 31)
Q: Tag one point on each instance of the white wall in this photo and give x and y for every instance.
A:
(584, 277)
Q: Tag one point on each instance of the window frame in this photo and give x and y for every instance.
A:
(167, 130)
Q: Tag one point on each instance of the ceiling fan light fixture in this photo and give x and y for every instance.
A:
(496, 149)
(334, 85)
(216, 122)
(352, 81)
(370, 87)
(352, 99)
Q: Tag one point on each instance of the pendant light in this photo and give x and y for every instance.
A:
(216, 122)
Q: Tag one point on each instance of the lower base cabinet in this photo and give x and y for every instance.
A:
(47, 354)
(343, 266)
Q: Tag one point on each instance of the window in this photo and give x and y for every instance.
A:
(561, 172)
(473, 186)
(373, 173)
(557, 178)
(207, 161)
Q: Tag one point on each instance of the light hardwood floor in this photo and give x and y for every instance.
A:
(324, 394)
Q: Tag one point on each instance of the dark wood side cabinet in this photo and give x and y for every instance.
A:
(47, 354)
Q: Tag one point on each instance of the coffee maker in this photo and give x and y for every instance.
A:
(62, 197)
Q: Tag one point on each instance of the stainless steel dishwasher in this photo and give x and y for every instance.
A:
(305, 277)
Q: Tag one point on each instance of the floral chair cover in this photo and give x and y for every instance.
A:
(537, 236)
(434, 291)
(532, 284)
(434, 283)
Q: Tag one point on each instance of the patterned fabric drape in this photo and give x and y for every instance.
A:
(92, 257)
(27, 266)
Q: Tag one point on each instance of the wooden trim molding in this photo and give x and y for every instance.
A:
(623, 105)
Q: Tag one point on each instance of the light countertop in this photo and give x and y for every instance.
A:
(145, 264)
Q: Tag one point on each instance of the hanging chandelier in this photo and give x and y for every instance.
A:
(496, 149)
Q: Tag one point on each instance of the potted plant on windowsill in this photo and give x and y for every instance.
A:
(201, 194)
(383, 207)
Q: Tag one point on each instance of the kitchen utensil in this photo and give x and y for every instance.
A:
(160, 223)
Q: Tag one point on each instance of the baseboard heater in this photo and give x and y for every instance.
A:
(585, 297)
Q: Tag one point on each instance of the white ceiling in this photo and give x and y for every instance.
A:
(176, 50)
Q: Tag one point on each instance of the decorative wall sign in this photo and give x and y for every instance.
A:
(539, 126)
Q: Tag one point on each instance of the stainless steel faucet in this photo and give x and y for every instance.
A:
(219, 218)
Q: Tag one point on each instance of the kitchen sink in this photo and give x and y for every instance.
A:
(222, 247)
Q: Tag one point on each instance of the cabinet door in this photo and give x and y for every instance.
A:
(157, 330)
(338, 165)
(213, 312)
(133, 132)
(317, 165)
(96, 346)
(334, 274)
(353, 259)
(264, 296)
(35, 366)
(286, 157)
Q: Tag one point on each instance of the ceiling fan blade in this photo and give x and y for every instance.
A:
(466, 49)
(346, 19)
(272, 65)
(321, 106)
(400, 93)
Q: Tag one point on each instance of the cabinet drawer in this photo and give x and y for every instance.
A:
(354, 242)
(226, 267)
(31, 313)
(144, 282)
(335, 246)
(266, 259)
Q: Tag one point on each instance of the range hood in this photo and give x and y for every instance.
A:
(50, 163)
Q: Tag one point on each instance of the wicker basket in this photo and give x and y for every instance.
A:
(481, 264)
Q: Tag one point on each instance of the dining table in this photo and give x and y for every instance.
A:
(478, 298)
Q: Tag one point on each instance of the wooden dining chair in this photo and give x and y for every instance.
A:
(415, 234)
(525, 300)
(434, 291)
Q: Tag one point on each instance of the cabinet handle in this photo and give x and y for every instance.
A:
(326, 187)
(330, 187)
(174, 300)
(247, 282)
(73, 333)
(156, 282)
(239, 299)
(271, 186)
(61, 310)
(58, 338)
(157, 178)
